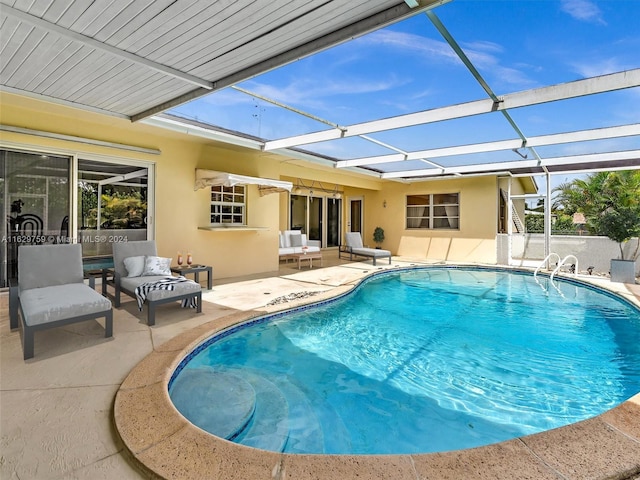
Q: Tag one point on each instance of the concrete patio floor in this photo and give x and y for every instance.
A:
(57, 417)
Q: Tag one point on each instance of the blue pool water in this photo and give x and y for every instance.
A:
(417, 360)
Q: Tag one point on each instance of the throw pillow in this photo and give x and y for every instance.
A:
(134, 266)
(296, 240)
(157, 266)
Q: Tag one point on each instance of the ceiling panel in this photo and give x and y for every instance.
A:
(134, 58)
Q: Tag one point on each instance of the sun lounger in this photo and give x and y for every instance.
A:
(354, 246)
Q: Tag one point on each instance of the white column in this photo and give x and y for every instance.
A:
(547, 219)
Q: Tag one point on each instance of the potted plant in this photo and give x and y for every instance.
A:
(610, 202)
(621, 225)
(378, 236)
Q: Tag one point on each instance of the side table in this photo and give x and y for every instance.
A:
(195, 269)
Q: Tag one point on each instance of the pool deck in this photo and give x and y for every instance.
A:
(86, 407)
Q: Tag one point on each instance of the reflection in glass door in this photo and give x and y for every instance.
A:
(334, 209)
(34, 202)
(298, 212)
(315, 218)
(112, 205)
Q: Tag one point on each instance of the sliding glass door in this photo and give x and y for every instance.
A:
(317, 216)
(35, 201)
(38, 205)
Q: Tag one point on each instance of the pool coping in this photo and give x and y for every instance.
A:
(166, 445)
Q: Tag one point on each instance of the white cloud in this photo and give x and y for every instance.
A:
(486, 46)
(583, 10)
(594, 69)
(313, 93)
(413, 44)
(481, 53)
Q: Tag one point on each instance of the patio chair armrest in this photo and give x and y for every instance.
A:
(14, 302)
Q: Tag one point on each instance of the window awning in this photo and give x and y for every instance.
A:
(208, 178)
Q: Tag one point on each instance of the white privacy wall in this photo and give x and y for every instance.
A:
(590, 251)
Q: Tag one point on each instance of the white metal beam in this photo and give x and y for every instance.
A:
(506, 166)
(538, 141)
(563, 91)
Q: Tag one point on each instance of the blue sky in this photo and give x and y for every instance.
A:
(515, 44)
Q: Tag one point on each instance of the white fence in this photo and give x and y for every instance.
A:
(590, 251)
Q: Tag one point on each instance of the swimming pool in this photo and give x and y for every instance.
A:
(472, 357)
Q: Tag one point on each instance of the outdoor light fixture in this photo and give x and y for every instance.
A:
(313, 188)
(412, 3)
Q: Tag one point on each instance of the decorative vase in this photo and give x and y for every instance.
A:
(179, 258)
(189, 259)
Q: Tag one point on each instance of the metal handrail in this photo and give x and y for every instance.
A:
(562, 263)
(544, 262)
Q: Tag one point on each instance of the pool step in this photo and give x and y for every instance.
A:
(261, 410)
(304, 429)
(268, 428)
(219, 402)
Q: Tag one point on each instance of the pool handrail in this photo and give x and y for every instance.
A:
(561, 264)
(544, 262)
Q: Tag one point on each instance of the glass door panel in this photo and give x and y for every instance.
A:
(355, 215)
(315, 218)
(334, 207)
(298, 212)
(35, 204)
(112, 205)
(318, 217)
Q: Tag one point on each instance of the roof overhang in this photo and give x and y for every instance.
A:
(135, 58)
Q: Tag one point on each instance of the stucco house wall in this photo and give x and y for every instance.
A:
(181, 214)
(474, 241)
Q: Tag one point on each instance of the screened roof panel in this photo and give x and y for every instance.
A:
(464, 88)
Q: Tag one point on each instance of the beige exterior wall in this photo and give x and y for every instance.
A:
(180, 211)
(475, 241)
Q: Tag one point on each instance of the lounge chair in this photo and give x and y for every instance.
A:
(136, 265)
(50, 292)
(354, 247)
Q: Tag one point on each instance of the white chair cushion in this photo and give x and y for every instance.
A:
(134, 265)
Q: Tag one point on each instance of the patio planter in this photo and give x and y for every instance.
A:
(623, 271)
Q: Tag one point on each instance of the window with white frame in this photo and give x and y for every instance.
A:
(434, 211)
(228, 205)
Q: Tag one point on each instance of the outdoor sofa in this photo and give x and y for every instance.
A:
(294, 241)
(50, 292)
